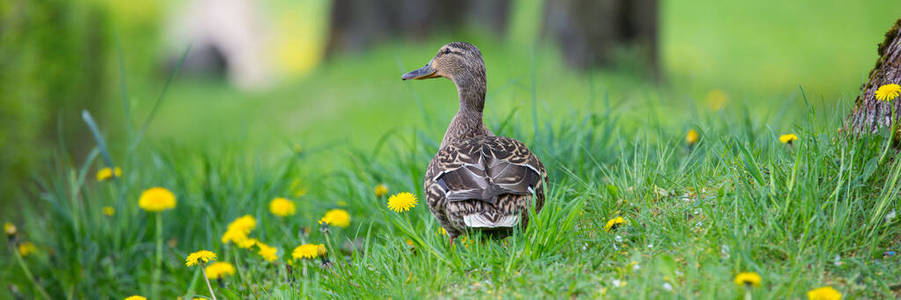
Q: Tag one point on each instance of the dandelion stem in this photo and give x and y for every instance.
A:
(207, 279)
(157, 270)
(27, 272)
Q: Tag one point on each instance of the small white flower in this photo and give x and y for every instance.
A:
(679, 273)
(724, 250)
(891, 215)
(617, 283)
(667, 286)
(838, 260)
(618, 239)
(636, 267)
(650, 246)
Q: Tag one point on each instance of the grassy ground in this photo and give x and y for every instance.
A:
(811, 214)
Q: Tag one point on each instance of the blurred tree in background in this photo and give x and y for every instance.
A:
(358, 24)
(53, 57)
(590, 32)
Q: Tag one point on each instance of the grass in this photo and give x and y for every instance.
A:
(814, 213)
(803, 216)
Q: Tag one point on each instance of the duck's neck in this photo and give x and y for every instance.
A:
(467, 123)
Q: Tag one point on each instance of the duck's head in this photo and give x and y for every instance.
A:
(457, 61)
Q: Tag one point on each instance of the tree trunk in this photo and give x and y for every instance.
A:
(869, 115)
(590, 32)
(356, 25)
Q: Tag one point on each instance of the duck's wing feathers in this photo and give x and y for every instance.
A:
(485, 167)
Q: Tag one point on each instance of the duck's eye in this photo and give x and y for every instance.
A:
(446, 51)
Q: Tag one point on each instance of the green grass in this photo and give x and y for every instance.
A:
(802, 216)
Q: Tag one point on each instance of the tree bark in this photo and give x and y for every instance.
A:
(870, 115)
(356, 25)
(589, 32)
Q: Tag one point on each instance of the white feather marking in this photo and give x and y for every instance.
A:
(480, 221)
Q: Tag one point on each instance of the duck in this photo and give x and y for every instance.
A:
(477, 181)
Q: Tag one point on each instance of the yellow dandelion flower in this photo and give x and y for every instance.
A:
(9, 228)
(691, 137)
(203, 256)
(410, 242)
(787, 138)
(156, 199)
(135, 297)
(888, 92)
(244, 224)
(824, 293)
(380, 190)
(219, 270)
(282, 207)
(614, 223)
(716, 99)
(238, 230)
(246, 243)
(268, 253)
(336, 217)
(233, 236)
(107, 173)
(26, 249)
(109, 210)
(402, 202)
(442, 231)
(747, 279)
(308, 251)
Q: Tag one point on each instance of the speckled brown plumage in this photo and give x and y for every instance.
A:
(477, 181)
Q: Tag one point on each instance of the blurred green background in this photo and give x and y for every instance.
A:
(59, 57)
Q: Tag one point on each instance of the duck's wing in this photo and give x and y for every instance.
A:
(484, 168)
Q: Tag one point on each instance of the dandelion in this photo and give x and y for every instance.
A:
(268, 253)
(888, 92)
(219, 270)
(202, 256)
(245, 224)
(716, 99)
(336, 217)
(691, 137)
(788, 138)
(747, 279)
(282, 207)
(156, 199)
(308, 251)
(824, 293)
(26, 249)
(612, 224)
(9, 229)
(402, 202)
(238, 230)
(109, 210)
(246, 243)
(136, 297)
(380, 190)
(107, 173)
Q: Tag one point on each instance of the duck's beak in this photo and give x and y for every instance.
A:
(425, 72)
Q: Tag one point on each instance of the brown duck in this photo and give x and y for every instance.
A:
(477, 181)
